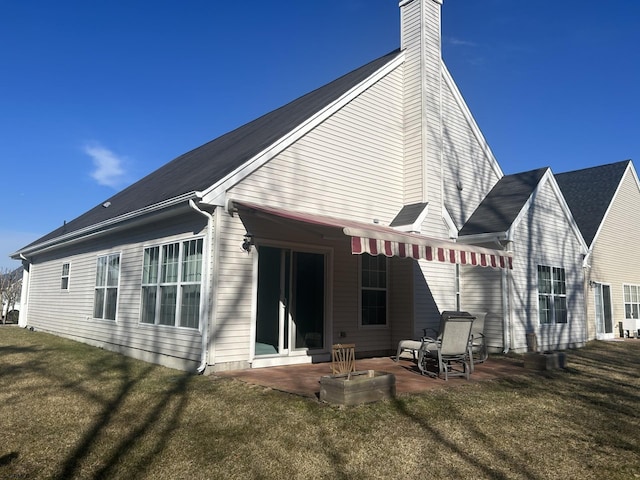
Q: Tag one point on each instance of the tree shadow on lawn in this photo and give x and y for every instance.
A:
(160, 417)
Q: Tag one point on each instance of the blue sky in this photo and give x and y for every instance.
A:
(95, 95)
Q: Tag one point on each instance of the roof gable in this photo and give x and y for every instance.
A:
(502, 206)
(197, 170)
(589, 193)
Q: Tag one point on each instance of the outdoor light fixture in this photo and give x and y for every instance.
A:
(592, 284)
(247, 242)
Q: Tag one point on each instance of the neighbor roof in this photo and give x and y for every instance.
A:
(499, 209)
(589, 193)
(202, 167)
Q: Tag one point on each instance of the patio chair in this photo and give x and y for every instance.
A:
(452, 348)
(479, 352)
(343, 358)
(408, 345)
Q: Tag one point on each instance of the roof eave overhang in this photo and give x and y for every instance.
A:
(109, 226)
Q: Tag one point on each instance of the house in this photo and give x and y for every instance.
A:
(605, 201)
(542, 296)
(348, 215)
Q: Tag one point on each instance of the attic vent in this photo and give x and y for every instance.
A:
(106, 204)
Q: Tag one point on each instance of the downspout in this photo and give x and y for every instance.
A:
(205, 327)
(24, 291)
(507, 326)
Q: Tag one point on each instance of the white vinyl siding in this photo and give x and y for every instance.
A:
(608, 262)
(469, 169)
(179, 348)
(545, 237)
(341, 168)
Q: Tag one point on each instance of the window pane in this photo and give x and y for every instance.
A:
(150, 267)
(560, 309)
(170, 254)
(544, 279)
(101, 272)
(634, 293)
(149, 295)
(168, 305)
(192, 263)
(190, 307)
(64, 283)
(98, 303)
(114, 270)
(374, 310)
(65, 269)
(544, 306)
(559, 287)
(634, 310)
(627, 293)
(110, 304)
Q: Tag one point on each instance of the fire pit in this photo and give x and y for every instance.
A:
(357, 387)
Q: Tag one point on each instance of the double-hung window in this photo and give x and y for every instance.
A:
(171, 282)
(64, 278)
(106, 292)
(631, 301)
(552, 295)
(373, 290)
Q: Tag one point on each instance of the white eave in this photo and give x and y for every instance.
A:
(105, 227)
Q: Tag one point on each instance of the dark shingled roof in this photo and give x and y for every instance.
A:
(589, 192)
(497, 212)
(202, 167)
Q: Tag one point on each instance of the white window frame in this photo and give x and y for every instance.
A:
(107, 285)
(631, 306)
(557, 292)
(65, 276)
(161, 276)
(362, 288)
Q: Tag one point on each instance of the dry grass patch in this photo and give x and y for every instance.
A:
(73, 411)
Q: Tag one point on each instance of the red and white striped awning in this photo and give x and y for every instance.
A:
(376, 239)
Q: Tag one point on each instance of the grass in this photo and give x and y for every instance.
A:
(73, 411)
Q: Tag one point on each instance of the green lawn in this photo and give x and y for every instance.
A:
(73, 411)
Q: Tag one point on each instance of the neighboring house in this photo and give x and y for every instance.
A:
(543, 294)
(331, 219)
(605, 201)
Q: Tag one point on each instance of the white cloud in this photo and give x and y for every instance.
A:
(460, 42)
(109, 168)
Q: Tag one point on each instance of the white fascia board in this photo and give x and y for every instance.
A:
(104, 227)
(471, 121)
(216, 193)
(450, 224)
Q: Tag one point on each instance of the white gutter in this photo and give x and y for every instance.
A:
(206, 287)
(103, 227)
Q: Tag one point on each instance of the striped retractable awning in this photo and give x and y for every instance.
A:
(432, 253)
(376, 239)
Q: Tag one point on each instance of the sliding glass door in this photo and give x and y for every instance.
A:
(290, 313)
